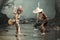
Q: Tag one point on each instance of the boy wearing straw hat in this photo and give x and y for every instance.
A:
(42, 18)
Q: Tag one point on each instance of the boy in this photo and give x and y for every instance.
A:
(17, 19)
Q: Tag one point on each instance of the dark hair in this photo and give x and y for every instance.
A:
(19, 10)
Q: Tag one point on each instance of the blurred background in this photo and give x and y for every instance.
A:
(50, 7)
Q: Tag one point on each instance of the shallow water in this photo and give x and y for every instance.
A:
(28, 33)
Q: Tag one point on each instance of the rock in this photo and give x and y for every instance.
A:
(3, 20)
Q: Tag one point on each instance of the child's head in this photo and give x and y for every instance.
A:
(19, 10)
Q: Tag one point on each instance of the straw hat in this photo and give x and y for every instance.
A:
(37, 10)
(11, 22)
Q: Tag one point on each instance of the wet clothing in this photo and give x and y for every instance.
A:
(37, 24)
(42, 22)
(17, 19)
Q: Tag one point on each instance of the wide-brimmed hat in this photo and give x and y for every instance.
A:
(37, 10)
(11, 22)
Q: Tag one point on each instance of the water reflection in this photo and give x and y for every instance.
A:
(17, 38)
(44, 37)
(29, 31)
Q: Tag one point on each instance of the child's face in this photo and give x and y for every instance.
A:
(18, 12)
